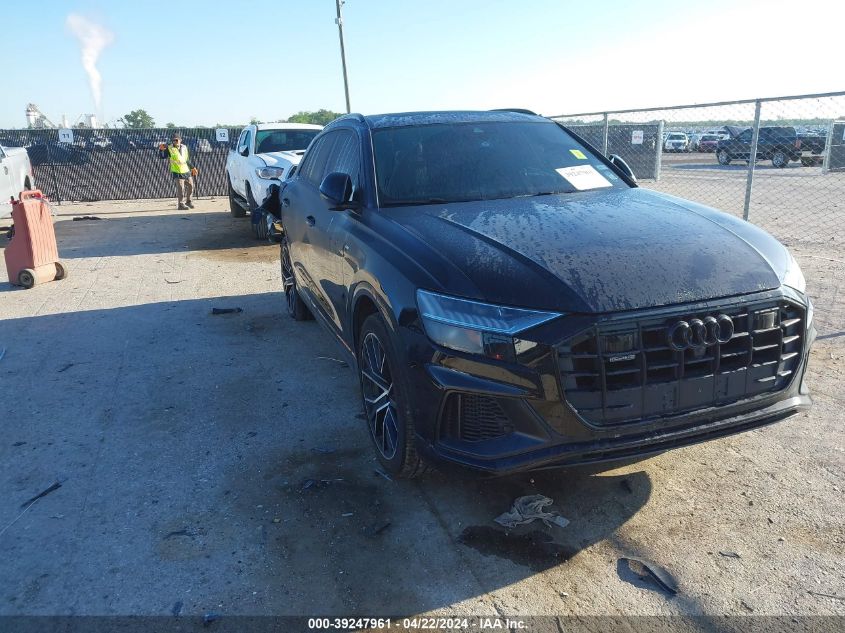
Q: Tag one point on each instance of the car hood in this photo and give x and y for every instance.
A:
(282, 159)
(598, 251)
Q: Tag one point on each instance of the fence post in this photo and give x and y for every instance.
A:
(827, 144)
(604, 135)
(658, 150)
(52, 166)
(752, 159)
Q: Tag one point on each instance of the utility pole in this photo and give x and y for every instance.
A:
(339, 22)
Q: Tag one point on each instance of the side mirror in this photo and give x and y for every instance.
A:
(337, 189)
(244, 151)
(276, 232)
(617, 161)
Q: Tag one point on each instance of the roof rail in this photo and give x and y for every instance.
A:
(352, 115)
(517, 110)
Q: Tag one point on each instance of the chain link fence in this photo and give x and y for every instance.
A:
(795, 189)
(120, 163)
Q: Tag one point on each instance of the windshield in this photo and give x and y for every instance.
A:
(267, 141)
(437, 163)
(709, 137)
(677, 137)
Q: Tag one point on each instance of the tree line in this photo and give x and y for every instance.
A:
(140, 118)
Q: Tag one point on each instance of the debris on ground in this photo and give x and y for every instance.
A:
(226, 310)
(210, 617)
(86, 217)
(16, 444)
(316, 483)
(177, 608)
(173, 282)
(730, 554)
(66, 367)
(381, 473)
(43, 493)
(825, 595)
(342, 363)
(648, 570)
(347, 514)
(381, 528)
(530, 508)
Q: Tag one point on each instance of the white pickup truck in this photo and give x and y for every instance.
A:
(15, 176)
(265, 154)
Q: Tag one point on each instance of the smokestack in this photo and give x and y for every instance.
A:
(93, 38)
(92, 121)
(64, 121)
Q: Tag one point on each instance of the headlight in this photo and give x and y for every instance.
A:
(793, 277)
(269, 173)
(474, 327)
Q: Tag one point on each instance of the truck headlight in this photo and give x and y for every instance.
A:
(270, 173)
(475, 327)
(793, 277)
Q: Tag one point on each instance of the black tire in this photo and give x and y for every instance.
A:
(296, 307)
(780, 159)
(384, 396)
(61, 273)
(26, 278)
(235, 207)
(723, 157)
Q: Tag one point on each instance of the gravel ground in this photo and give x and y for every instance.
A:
(218, 463)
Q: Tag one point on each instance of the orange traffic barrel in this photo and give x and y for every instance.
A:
(32, 256)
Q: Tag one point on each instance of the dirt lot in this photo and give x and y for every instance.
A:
(218, 463)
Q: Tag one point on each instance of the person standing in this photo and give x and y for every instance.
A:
(181, 168)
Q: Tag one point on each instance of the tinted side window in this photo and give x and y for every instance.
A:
(345, 156)
(745, 137)
(314, 167)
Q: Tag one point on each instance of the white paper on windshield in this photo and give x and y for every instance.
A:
(584, 177)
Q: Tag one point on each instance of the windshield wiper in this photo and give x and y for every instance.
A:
(420, 202)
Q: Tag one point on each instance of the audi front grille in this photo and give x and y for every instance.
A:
(631, 370)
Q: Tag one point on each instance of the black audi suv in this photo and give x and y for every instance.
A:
(512, 300)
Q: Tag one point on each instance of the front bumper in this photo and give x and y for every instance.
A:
(521, 418)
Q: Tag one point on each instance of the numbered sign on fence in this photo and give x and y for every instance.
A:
(637, 137)
(222, 135)
(65, 135)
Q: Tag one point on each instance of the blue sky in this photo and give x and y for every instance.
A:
(193, 62)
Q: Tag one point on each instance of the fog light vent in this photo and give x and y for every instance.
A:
(473, 418)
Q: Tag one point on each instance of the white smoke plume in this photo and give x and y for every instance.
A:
(93, 38)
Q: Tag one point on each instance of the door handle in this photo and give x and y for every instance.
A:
(285, 202)
(310, 220)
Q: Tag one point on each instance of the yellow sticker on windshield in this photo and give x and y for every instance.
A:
(577, 153)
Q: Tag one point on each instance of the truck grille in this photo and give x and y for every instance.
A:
(626, 371)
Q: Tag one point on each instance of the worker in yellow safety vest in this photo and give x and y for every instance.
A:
(181, 168)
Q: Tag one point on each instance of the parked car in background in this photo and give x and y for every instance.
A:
(676, 142)
(708, 142)
(45, 153)
(775, 143)
(484, 272)
(264, 154)
(812, 146)
(97, 144)
(15, 176)
(694, 138)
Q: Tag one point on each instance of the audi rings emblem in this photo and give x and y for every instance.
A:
(698, 333)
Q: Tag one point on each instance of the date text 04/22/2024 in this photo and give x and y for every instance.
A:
(418, 624)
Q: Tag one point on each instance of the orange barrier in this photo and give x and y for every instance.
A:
(32, 256)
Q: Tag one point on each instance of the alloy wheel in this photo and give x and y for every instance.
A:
(288, 282)
(377, 387)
